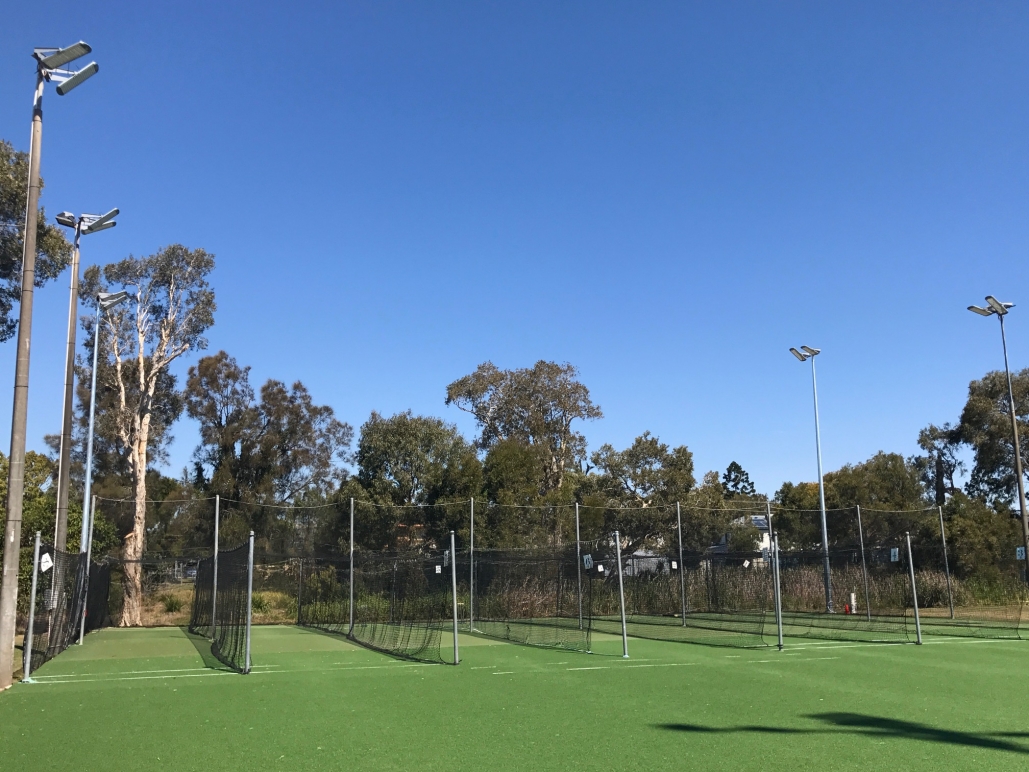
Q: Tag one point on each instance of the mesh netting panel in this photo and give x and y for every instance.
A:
(203, 588)
(402, 601)
(871, 598)
(276, 587)
(988, 601)
(228, 627)
(97, 596)
(58, 603)
(728, 598)
(542, 597)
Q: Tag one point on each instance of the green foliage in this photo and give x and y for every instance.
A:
(986, 427)
(53, 252)
(533, 406)
(980, 540)
(737, 482)
(172, 604)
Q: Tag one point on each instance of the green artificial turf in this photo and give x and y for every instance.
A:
(144, 700)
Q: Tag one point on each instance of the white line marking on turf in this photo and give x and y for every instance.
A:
(602, 667)
(483, 667)
(504, 672)
(666, 664)
(143, 678)
(134, 672)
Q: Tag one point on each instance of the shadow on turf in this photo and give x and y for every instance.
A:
(874, 726)
(203, 647)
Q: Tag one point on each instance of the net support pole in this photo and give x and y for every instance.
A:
(946, 562)
(777, 589)
(682, 566)
(250, 598)
(26, 643)
(453, 585)
(914, 592)
(471, 566)
(214, 568)
(864, 565)
(85, 571)
(621, 595)
(300, 588)
(350, 631)
(578, 560)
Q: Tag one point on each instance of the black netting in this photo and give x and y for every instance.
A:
(402, 600)
(546, 596)
(723, 599)
(57, 606)
(98, 596)
(225, 618)
(989, 600)
(872, 600)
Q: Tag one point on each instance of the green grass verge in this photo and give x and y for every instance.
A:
(144, 700)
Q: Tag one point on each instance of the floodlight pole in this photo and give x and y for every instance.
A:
(16, 468)
(64, 465)
(82, 226)
(89, 434)
(821, 494)
(1018, 454)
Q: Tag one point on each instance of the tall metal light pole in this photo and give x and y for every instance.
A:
(49, 64)
(995, 307)
(83, 225)
(803, 355)
(105, 301)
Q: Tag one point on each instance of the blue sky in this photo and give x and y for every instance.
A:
(667, 195)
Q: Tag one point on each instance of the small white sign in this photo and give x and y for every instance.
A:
(675, 565)
(1019, 553)
(46, 562)
(746, 564)
(600, 567)
(894, 554)
(439, 569)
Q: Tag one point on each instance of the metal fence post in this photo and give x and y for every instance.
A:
(914, 592)
(214, 569)
(946, 563)
(26, 643)
(578, 560)
(453, 582)
(682, 565)
(350, 632)
(300, 589)
(471, 569)
(778, 588)
(864, 567)
(250, 598)
(621, 595)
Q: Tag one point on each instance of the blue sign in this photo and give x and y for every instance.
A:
(1019, 553)
(587, 562)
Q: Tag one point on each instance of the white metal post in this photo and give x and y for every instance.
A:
(350, 632)
(26, 643)
(214, 566)
(864, 566)
(946, 562)
(250, 597)
(471, 568)
(914, 592)
(778, 588)
(578, 560)
(682, 565)
(621, 595)
(453, 582)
